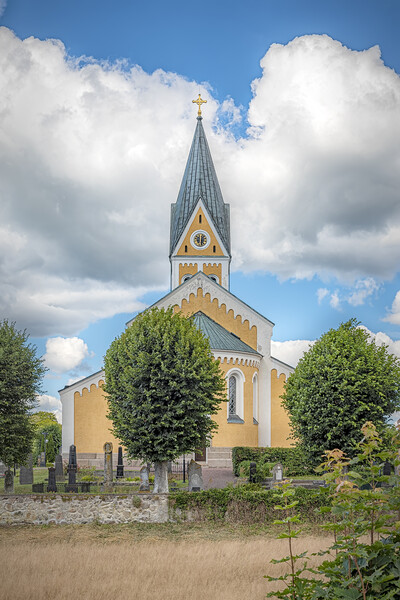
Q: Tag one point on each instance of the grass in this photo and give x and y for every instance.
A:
(40, 475)
(172, 561)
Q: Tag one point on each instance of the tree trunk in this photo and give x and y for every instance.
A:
(161, 477)
(9, 482)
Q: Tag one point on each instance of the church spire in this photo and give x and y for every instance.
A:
(200, 182)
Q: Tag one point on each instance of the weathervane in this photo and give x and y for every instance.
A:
(199, 102)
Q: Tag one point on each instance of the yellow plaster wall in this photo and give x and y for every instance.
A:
(237, 434)
(213, 269)
(220, 315)
(204, 225)
(186, 269)
(280, 429)
(91, 425)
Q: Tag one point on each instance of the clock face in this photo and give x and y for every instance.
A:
(200, 240)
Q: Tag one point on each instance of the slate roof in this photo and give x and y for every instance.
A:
(220, 338)
(200, 181)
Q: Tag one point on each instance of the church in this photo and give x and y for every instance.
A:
(240, 337)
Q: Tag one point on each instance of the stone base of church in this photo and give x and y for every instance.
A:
(219, 457)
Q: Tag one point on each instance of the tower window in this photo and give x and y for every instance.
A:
(199, 218)
(214, 249)
(185, 248)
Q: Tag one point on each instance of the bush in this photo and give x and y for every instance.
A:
(246, 503)
(293, 459)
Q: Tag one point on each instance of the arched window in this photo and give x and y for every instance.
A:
(235, 383)
(185, 278)
(232, 395)
(214, 278)
(255, 399)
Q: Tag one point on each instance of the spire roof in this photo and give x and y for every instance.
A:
(200, 182)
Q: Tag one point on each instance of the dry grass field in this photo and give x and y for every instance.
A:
(171, 562)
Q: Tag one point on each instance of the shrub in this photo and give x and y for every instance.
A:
(292, 459)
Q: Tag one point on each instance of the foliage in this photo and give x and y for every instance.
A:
(52, 429)
(248, 502)
(343, 381)
(163, 384)
(21, 373)
(364, 560)
(293, 459)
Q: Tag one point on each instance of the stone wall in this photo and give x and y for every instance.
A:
(74, 509)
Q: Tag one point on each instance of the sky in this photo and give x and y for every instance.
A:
(96, 122)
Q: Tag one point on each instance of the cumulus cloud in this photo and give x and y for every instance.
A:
(92, 154)
(50, 404)
(291, 351)
(382, 339)
(64, 354)
(393, 315)
(321, 294)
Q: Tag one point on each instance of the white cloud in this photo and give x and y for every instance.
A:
(381, 339)
(291, 351)
(64, 354)
(363, 289)
(321, 294)
(335, 300)
(3, 4)
(393, 315)
(92, 154)
(50, 404)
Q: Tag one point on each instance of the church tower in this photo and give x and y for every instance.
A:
(200, 223)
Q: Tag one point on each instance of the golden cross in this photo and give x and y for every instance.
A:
(199, 102)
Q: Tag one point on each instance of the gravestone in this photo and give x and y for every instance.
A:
(72, 486)
(160, 477)
(37, 488)
(277, 473)
(387, 468)
(26, 472)
(195, 477)
(59, 467)
(42, 459)
(2, 469)
(253, 472)
(51, 484)
(144, 479)
(120, 465)
(108, 466)
(9, 482)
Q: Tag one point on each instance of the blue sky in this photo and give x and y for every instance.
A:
(95, 126)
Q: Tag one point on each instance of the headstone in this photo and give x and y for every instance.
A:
(120, 465)
(26, 472)
(253, 472)
(42, 459)
(160, 477)
(277, 473)
(108, 466)
(72, 464)
(37, 488)
(144, 479)
(51, 485)
(59, 467)
(72, 486)
(9, 482)
(2, 469)
(387, 468)
(195, 476)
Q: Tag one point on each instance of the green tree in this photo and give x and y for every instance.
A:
(46, 423)
(343, 381)
(163, 385)
(21, 373)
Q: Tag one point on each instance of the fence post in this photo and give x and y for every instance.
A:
(184, 465)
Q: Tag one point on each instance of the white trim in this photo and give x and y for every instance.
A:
(238, 358)
(255, 396)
